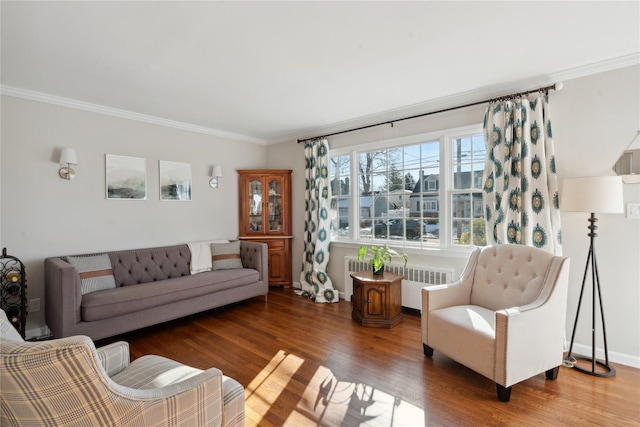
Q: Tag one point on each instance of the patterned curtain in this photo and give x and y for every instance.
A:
(315, 282)
(521, 185)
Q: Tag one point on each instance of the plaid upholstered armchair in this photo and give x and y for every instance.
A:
(69, 382)
(504, 317)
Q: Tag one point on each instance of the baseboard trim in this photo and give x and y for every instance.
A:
(615, 357)
(39, 332)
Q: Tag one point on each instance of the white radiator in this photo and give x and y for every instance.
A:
(415, 278)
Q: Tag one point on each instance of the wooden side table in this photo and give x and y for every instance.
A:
(377, 299)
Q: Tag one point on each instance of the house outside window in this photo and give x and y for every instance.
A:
(423, 191)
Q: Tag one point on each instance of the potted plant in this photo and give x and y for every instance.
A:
(379, 255)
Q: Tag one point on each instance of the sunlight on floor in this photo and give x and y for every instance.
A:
(326, 400)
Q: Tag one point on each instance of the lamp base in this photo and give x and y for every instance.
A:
(67, 173)
(591, 370)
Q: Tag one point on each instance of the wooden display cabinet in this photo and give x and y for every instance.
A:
(377, 299)
(265, 216)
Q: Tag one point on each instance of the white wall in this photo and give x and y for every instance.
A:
(594, 119)
(43, 215)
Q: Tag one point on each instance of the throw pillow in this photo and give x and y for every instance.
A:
(226, 255)
(95, 271)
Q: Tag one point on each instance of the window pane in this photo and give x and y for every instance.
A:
(460, 232)
(463, 234)
(478, 154)
(341, 227)
(340, 171)
(478, 206)
(467, 209)
(460, 206)
(430, 156)
(468, 162)
(432, 229)
(380, 229)
(366, 231)
(380, 206)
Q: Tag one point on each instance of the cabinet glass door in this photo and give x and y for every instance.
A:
(255, 205)
(275, 204)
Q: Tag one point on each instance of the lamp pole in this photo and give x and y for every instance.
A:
(595, 281)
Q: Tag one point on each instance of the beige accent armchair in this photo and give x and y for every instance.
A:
(68, 382)
(504, 317)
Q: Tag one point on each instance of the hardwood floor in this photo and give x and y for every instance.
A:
(307, 364)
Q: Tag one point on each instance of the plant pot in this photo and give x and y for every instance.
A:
(379, 272)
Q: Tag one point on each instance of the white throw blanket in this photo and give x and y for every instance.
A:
(201, 255)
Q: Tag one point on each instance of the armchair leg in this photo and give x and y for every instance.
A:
(552, 374)
(428, 351)
(504, 393)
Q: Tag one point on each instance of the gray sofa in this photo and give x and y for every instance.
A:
(152, 285)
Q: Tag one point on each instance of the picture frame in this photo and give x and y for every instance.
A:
(175, 181)
(126, 177)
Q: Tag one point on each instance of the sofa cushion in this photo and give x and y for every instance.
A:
(455, 330)
(128, 299)
(95, 272)
(149, 265)
(226, 255)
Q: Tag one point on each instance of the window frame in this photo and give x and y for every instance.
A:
(445, 186)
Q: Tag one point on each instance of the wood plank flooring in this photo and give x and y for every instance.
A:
(307, 364)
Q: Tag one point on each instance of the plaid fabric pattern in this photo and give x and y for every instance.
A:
(114, 357)
(7, 330)
(149, 372)
(62, 382)
(233, 405)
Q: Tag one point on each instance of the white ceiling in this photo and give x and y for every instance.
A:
(272, 71)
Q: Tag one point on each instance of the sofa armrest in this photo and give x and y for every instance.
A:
(255, 255)
(63, 297)
(441, 296)
(532, 336)
(201, 394)
(114, 357)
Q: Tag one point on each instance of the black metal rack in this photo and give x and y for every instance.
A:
(13, 291)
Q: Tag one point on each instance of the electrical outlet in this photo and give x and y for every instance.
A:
(34, 305)
(633, 210)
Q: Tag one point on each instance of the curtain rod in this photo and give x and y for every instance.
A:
(545, 89)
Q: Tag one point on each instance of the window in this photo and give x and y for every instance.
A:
(424, 190)
(467, 159)
(339, 171)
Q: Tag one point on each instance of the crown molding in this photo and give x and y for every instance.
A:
(115, 112)
(468, 97)
(394, 114)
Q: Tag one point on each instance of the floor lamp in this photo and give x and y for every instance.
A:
(601, 194)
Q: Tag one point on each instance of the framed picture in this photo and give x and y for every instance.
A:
(175, 181)
(126, 177)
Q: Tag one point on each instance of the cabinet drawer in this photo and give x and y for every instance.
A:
(271, 243)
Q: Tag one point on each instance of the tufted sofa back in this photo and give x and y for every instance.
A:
(509, 276)
(149, 265)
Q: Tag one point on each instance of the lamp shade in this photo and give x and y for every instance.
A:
(217, 171)
(601, 194)
(68, 156)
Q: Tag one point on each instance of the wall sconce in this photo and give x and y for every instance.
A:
(216, 172)
(68, 157)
